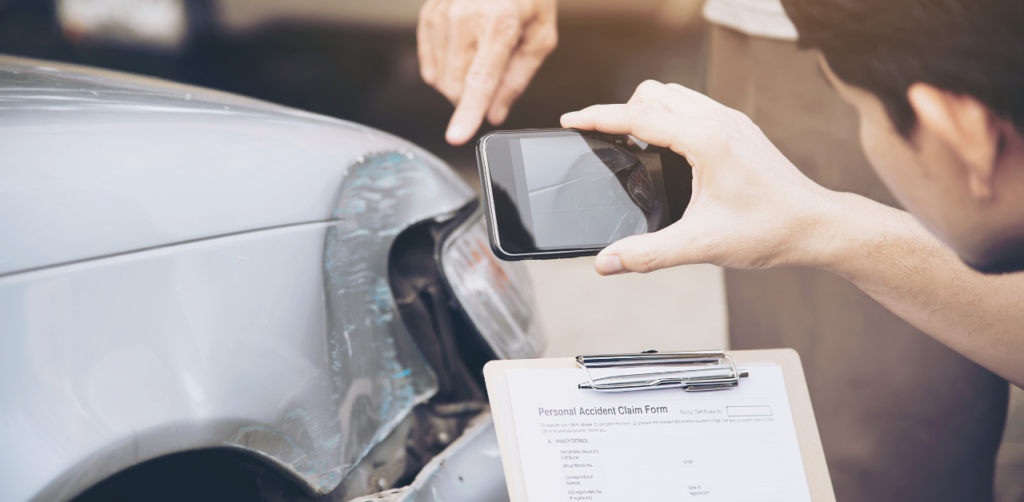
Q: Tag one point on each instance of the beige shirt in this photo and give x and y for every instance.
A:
(759, 18)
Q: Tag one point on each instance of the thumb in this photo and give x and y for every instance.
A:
(642, 253)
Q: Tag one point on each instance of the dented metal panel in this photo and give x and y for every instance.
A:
(111, 362)
(379, 373)
(234, 296)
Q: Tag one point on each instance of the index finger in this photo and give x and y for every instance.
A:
(481, 83)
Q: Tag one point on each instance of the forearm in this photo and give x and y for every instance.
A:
(752, 208)
(892, 258)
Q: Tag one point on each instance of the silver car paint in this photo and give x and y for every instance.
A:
(97, 162)
(184, 269)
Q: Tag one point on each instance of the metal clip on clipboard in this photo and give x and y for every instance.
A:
(701, 371)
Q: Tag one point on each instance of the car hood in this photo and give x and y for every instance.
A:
(97, 163)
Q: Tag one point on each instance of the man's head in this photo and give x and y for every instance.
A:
(939, 86)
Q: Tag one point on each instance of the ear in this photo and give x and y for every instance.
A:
(967, 126)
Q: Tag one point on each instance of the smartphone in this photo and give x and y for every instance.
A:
(559, 193)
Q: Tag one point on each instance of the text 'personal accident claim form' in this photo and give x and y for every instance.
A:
(736, 444)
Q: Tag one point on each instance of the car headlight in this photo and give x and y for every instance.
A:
(496, 295)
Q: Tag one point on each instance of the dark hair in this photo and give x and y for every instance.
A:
(968, 47)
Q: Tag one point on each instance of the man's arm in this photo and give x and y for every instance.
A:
(891, 257)
(751, 208)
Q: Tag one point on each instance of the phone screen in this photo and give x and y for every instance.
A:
(565, 190)
(573, 194)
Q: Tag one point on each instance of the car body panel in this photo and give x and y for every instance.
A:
(219, 281)
(96, 163)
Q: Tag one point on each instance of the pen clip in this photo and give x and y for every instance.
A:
(706, 371)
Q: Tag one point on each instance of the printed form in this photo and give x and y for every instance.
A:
(737, 445)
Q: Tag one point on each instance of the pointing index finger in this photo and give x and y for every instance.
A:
(482, 80)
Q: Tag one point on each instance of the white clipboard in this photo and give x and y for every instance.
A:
(815, 468)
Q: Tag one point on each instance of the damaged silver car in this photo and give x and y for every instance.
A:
(209, 297)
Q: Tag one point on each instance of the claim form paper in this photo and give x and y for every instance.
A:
(737, 445)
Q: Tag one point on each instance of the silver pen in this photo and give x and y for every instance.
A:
(705, 371)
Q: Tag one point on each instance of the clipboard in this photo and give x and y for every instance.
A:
(818, 480)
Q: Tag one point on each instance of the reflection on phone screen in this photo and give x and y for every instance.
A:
(577, 191)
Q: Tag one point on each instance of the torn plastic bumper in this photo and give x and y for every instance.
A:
(468, 470)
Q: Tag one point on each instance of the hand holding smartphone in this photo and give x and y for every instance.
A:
(559, 193)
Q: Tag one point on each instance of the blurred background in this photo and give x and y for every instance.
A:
(356, 60)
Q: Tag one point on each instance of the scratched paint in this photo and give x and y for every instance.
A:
(378, 372)
(349, 376)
